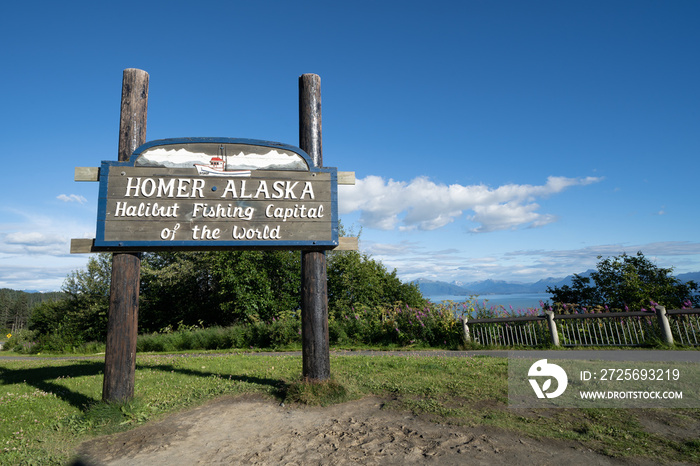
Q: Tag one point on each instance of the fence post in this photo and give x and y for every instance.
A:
(664, 325)
(465, 325)
(553, 334)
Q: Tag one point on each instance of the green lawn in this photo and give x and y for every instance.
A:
(47, 407)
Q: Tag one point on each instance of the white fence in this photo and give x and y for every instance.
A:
(679, 326)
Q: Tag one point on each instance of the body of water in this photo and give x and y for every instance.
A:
(517, 300)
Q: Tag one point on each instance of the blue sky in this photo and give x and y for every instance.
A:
(506, 140)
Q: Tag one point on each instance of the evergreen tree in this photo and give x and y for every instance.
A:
(82, 314)
(5, 309)
(20, 312)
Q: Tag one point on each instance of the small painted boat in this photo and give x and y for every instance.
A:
(213, 170)
(217, 166)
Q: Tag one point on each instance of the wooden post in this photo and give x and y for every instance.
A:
(664, 325)
(316, 363)
(122, 325)
(553, 332)
(465, 328)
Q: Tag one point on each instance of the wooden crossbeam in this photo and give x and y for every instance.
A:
(93, 174)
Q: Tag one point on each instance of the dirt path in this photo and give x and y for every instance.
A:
(257, 431)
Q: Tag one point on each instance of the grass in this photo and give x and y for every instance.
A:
(319, 393)
(47, 407)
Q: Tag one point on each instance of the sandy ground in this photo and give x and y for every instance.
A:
(258, 431)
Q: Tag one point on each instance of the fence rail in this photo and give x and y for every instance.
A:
(680, 326)
(685, 325)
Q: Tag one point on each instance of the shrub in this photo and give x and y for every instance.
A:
(22, 341)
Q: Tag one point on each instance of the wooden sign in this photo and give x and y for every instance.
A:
(203, 193)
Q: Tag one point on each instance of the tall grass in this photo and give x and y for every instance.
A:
(433, 326)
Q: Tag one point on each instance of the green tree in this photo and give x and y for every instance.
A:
(93, 282)
(256, 285)
(5, 306)
(81, 315)
(215, 288)
(354, 279)
(20, 312)
(627, 282)
(177, 289)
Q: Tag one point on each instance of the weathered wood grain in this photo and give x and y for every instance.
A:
(347, 178)
(87, 174)
(153, 181)
(316, 363)
(315, 353)
(146, 231)
(122, 324)
(347, 243)
(81, 245)
(93, 174)
(134, 108)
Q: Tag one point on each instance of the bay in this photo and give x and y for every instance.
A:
(517, 300)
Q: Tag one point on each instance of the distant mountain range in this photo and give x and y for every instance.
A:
(686, 277)
(486, 287)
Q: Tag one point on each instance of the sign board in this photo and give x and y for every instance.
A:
(206, 193)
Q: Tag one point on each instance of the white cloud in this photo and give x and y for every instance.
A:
(508, 216)
(425, 205)
(35, 245)
(72, 198)
(661, 248)
(33, 242)
(414, 261)
(384, 249)
(40, 235)
(32, 238)
(38, 276)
